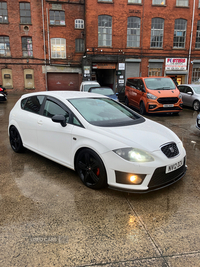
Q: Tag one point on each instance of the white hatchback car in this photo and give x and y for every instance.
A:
(104, 141)
(86, 85)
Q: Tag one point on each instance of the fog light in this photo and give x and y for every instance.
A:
(152, 106)
(135, 179)
(129, 178)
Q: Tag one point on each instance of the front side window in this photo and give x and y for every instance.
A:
(51, 108)
(79, 45)
(158, 2)
(181, 2)
(58, 48)
(104, 30)
(57, 17)
(33, 103)
(27, 48)
(133, 32)
(179, 33)
(3, 12)
(79, 24)
(25, 13)
(197, 44)
(135, 1)
(4, 46)
(157, 28)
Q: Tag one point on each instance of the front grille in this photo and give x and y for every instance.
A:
(168, 100)
(170, 150)
(160, 178)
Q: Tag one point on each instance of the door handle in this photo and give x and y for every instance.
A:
(40, 122)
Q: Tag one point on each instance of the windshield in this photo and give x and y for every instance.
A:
(102, 91)
(196, 89)
(105, 112)
(160, 84)
(88, 86)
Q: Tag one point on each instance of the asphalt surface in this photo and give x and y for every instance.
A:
(49, 218)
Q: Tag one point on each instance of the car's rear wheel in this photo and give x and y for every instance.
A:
(142, 108)
(90, 169)
(196, 105)
(15, 140)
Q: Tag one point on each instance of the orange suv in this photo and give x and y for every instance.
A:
(153, 95)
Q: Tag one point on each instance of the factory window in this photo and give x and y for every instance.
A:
(179, 33)
(197, 44)
(79, 45)
(181, 2)
(58, 48)
(3, 12)
(4, 46)
(133, 32)
(157, 28)
(27, 48)
(79, 24)
(25, 13)
(57, 17)
(104, 30)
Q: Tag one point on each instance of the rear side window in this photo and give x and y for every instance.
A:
(32, 104)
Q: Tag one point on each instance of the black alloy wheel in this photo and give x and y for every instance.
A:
(90, 169)
(142, 108)
(15, 140)
(196, 105)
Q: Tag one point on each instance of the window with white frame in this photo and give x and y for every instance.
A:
(58, 48)
(79, 45)
(196, 73)
(79, 24)
(181, 2)
(133, 32)
(197, 44)
(158, 2)
(4, 46)
(180, 33)
(135, 1)
(27, 47)
(157, 28)
(57, 17)
(104, 30)
(3, 12)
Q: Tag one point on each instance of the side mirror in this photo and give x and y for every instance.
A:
(189, 93)
(59, 119)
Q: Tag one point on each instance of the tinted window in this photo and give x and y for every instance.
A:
(51, 109)
(32, 103)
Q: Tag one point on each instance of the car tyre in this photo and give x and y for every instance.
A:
(142, 108)
(15, 140)
(90, 169)
(196, 105)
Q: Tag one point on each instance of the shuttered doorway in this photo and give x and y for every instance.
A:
(63, 81)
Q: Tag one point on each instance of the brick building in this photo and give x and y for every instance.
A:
(54, 45)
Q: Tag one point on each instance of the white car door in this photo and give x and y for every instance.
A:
(54, 140)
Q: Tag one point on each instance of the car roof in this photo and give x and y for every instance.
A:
(151, 77)
(90, 82)
(64, 94)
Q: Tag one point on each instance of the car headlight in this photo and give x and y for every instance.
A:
(150, 96)
(134, 154)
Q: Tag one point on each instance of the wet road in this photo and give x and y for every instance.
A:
(49, 218)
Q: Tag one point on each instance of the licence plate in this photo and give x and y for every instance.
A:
(168, 105)
(175, 166)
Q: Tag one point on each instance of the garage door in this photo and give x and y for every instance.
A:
(63, 81)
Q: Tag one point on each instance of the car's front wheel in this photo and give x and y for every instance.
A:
(142, 108)
(196, 105)
(90, 169)
(15, 140)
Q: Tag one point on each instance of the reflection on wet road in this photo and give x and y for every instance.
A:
(49, 218)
